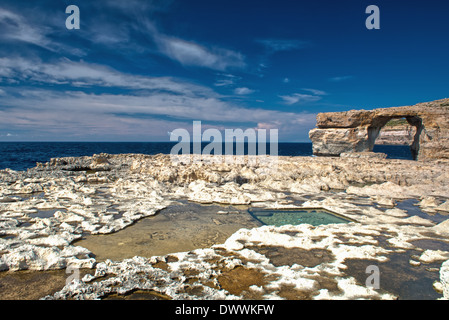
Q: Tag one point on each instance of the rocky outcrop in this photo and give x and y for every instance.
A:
(357, 130)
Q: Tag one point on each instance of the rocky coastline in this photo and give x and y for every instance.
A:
(44, 210)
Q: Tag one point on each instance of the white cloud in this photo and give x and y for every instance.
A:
(192, 54)
(83, 74)
(162, 104)
(286, 80)
(30, 29)
(15, 27)
(145, 106)
(315, 92)
(312, 95)
(226, 80)
(224, 83)
(299, 98)
(148, 96)
(243, 91)
(76, 114)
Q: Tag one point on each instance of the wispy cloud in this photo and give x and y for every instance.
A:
(224, 83)
(16, 27)
(243, 91)
(315, 92)
(83, 74)
(340, 78)
(298, 98)
(45, 111)
(32, 30)
(226, 80)
(54, 94)
(144, 105)
(162, 104)
(8, 135)
(189, 53)
(276, 45)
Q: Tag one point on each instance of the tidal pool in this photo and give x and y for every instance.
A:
(295, 217)
(188, 226)
(177, 228)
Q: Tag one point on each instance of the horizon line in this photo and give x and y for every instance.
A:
(175, 142)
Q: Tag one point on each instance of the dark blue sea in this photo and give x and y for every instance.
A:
(24, 155)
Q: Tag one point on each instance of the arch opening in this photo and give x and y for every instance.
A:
(396, 131)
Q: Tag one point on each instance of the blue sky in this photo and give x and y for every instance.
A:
(136, 70)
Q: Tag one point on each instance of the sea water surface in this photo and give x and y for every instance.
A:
(24, 155)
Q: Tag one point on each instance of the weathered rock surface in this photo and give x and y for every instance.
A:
(357, 130)
(44, 210)
(444, 278)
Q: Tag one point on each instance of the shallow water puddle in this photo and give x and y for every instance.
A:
(33, 285)
(412, 208)
(47, 213)
(399, 277)
(294, 217)
(178, 228)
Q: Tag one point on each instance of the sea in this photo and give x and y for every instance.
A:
(21, 156)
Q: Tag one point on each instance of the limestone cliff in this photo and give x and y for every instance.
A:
(357, 130)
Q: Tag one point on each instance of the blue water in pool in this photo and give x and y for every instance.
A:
(295, 217)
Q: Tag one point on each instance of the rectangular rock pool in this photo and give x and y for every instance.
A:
(314, 217)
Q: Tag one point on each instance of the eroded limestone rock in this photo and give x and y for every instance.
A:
(357, 130)
(444, 279)
(38, 229)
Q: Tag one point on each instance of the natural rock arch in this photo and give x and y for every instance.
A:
(357, 130)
